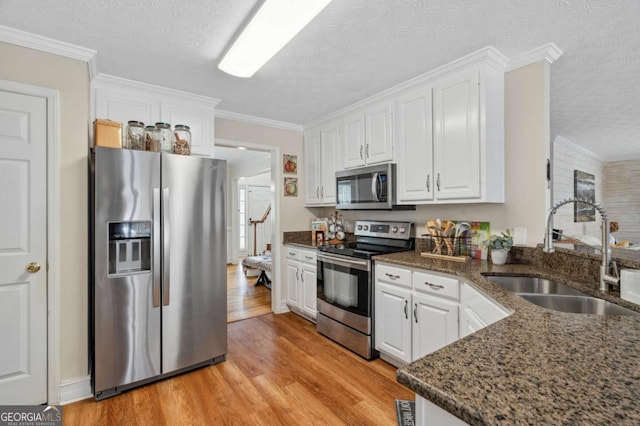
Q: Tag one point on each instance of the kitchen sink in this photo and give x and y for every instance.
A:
(559, 297)
(532, 285)
(577, 304)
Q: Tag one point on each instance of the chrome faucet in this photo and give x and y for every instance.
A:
(607, 264)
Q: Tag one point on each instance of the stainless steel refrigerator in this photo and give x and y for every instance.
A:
(158, 266)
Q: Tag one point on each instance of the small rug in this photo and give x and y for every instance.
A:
(406, 412)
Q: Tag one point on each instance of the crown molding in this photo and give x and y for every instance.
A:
(49, 45)
(548, 52)
(487, 55)
(119, 83)
(250, 119)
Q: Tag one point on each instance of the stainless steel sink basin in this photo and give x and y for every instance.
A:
(532, 285)
(559, 297)
(577, 304)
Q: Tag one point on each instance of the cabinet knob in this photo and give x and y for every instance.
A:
(428, 183)
(393, 277)
(406, 312)
(415, 312)
(438, 182)
(366, 151)
(322, 192)
(434, 286)
(361, 152)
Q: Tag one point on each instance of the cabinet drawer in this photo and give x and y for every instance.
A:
(392, 275)
(436, 285)
(292, 252)
(308, 256)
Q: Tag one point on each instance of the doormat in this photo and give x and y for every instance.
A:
(406, 412)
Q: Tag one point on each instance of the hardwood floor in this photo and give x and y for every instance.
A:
(279, 370)
(244, 300)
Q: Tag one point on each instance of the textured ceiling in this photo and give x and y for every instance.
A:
(356, 48)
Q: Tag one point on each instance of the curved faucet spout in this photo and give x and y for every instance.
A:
(605, 278)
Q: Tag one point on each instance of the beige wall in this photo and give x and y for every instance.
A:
(526, 151)
(293, 215)
(70, 78)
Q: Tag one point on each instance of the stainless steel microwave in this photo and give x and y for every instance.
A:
(368, 188)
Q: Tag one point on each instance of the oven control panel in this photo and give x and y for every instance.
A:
(396, 230)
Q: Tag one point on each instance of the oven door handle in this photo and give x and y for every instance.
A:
(345, 261)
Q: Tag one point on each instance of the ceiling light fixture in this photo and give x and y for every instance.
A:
(242, 148)
(271, 28)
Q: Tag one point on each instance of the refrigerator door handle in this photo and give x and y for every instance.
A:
(166, 221)
(156, 248)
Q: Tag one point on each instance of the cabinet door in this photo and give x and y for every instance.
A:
(353, 140)
(435, 324)
(393, 321)
(198, 117)
(123, 106)
(309, 287)
(456, 137)
(312, 167)
(478, 310)
(293, 287)
(378, 137)
(469, 322)
(414, 139)
(329, 154)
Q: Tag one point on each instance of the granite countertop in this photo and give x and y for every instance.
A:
(536, 366)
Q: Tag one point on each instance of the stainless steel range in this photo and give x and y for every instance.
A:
(345, 283)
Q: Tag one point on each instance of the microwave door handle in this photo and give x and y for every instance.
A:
(375, 185)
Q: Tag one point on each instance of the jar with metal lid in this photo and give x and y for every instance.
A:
(164, 136)
(135, 135)
(150, 142)
(182, 141)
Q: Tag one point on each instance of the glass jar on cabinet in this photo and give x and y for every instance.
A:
(164, 136)
(182, 141)
(135, 135)
(150, 140)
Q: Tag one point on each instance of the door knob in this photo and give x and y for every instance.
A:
(33, 267)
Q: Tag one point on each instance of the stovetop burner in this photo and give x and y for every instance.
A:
(373, 238)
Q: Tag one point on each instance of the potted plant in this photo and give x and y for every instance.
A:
(500, 246)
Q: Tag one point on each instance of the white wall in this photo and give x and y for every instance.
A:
(567, 157)
(71, 78)
(526, 152)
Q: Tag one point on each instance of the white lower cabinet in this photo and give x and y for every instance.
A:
(412, 319)
(419, 312)
(301, 280)
(478, 311)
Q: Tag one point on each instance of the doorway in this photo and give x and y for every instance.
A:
(250, 229)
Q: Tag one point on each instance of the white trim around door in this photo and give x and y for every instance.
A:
(52, 97)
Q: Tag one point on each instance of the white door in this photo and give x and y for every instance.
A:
(378, 136)
(23, 294)
(258, 201)
(456, 137)
(393, 321)
(435, 324)
(293, 277)
(330, 154)
(415, 147)
(312, 164)
(309, 287)
(353, 140)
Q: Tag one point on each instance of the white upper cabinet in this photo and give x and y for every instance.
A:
(414, 139)
(124, 100)
(321, 155)
(456, 137)
(367, 136)
(446, 128)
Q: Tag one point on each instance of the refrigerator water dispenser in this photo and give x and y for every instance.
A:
(129, 247)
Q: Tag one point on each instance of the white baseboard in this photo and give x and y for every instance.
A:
(75, 390)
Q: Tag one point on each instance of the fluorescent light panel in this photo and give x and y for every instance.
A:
(272, 27)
